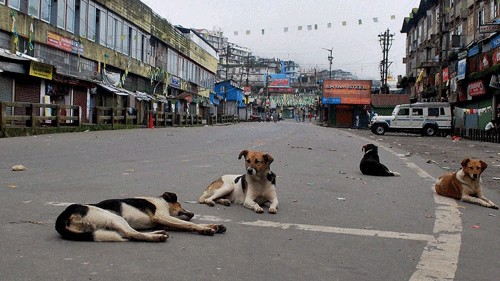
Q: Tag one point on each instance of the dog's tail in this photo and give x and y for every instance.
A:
(395, 174)
(63, 224)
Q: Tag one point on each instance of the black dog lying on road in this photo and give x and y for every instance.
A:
(370, 164)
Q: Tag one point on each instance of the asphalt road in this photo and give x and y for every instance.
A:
(333, 223)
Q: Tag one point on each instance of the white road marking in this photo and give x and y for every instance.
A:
(339, 230)
(439, 259)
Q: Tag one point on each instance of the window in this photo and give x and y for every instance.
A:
(83, 18)
(493, 9)
(480, 17)
(133, 43)
(34, 8)
(91, 22)
(126, 39)
(61, 14)
(46, 8)
(404, 112)
(119, 36)
(101, 20)
(433, 111)
(111, 31)
(70, 16)
(417, 112)
(15, 4)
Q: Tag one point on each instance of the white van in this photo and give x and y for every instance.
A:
(425, 118)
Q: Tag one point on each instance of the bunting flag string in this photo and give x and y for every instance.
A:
(312, 27)
(13, 29)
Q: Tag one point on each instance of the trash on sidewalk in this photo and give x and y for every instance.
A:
(18, 168)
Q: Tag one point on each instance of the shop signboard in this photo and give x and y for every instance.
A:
(476, 88)
(347, 91)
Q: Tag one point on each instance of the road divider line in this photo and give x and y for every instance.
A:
(339, 230)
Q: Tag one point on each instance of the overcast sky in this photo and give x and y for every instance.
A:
(350, 27)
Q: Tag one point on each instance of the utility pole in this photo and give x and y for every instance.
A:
(441, 50)
(330, 59)
(228, 51)
(385, 40)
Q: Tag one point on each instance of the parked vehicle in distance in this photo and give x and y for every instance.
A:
(425, 118)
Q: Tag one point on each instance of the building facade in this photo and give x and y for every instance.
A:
(452, 55)
(102, 53)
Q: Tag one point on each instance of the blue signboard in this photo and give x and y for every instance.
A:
(462, 67)
(175, 82)
(473, 51)
(331, 100)
(495, 42)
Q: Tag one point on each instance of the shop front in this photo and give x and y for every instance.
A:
(346, 102)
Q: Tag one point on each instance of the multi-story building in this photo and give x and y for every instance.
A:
(102, 53)
(452, 54)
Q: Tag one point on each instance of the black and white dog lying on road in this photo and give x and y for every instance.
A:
(370, 164)
(120, 220)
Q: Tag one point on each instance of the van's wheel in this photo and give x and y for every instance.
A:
(379, 129)
(429, 130)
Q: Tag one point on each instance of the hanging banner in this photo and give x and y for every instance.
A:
(476, 88)
(462, 67)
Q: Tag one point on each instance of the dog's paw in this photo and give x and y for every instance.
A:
(494, 207)
(219, 228)
(207, 231)
(160, 236)
(273, 210)
(209, 202)
(225, 202)
(259, 210)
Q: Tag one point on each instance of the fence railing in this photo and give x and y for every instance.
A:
(26, 114)
(478, 135)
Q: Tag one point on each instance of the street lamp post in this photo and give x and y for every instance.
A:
(330, 59)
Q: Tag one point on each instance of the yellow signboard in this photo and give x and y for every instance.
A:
(41, 70)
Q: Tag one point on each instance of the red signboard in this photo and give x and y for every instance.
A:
(495, 58)
(445, 74)
(349, 91)
(476, 88)
(63, 43)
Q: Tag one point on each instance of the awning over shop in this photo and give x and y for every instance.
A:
(214, 98)
(115, 90)
(142, 96)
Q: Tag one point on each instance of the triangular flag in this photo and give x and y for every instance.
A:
(236, 33)
(315, 27)
(329, 25)
(285, 29)
(299, 27)
(309, 27)
(393, 17)
(360, 22)
(344, 23)
(248, 32)
(262, 31)
(375, 19)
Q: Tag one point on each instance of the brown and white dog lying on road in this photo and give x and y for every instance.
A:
(120, 220)
(257, 186)
(465, 185)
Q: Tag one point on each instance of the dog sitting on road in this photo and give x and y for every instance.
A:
(120, 220)
(256, 187)
(370, 164)
(465, 185)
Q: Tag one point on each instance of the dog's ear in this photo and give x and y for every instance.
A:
(483, 165)
(243, 153)
(363, 148)
(464, 162)
(268, 159)
(170, 197)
